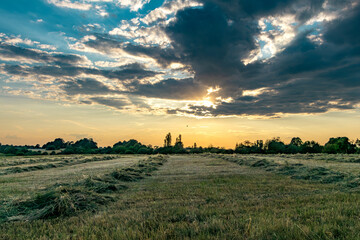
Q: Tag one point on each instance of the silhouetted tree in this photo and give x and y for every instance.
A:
(131, 147)
(167, 140)
(274, 145)
(58, 143)
(296, 141)
(178, 142)
(248, 147)
(86, 143)
(294, 146)
(311, 147)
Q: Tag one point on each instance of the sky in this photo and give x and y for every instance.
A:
(217, 72)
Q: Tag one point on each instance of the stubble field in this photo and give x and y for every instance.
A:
(181, 197)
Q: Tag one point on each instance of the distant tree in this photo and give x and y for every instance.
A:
(296, 141)
(167, 140)
(339, 145)
(86, 143)
(179, 146)
(196, 149)
(311, 147)
(10, 150)
(129, 151)
(357, 143)
(294, 146)
(50, 147)
(105, 150)
(248, 147)
(144, 150)
(119, 149)
(274, 145)
(178, 142)
(82, 146)
(259, 144)
(131, 147)
(58, 143)
(292, 149)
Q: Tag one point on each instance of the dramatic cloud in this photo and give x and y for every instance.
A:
(127, 72)
(16, 53)
(305, 78)
(171, 89)
(86, 86)
(208, 58)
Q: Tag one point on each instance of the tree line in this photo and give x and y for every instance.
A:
(132, 146)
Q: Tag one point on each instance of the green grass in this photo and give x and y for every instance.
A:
(203, 197)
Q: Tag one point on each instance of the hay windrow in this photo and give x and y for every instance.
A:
(62, 200)
(300, 171)
(34, 160)
(64, 163)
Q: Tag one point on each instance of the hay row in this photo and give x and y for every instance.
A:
(6, 162)
(62, 200)
(301, 171)
(64, 163)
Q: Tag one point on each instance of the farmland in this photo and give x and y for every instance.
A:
(206, 196)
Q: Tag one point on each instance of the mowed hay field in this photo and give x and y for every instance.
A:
(28, 183)
(202, 197)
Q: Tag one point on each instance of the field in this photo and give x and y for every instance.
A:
(182, 197)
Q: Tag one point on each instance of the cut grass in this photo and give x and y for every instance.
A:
(194, 197)
(299, 171)
(27, 184)
(69, 199)
(16, 161)
(61, 201)
(63, 163)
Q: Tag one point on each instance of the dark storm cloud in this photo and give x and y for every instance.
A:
(127, 72)
(64, 65)
(162, 56)
(214, 39)
(17, 53)
(210, 44)
(107, 44)
(130, 71)
(87, 86)
(171, 89)
(304, 78)
(303, 10)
